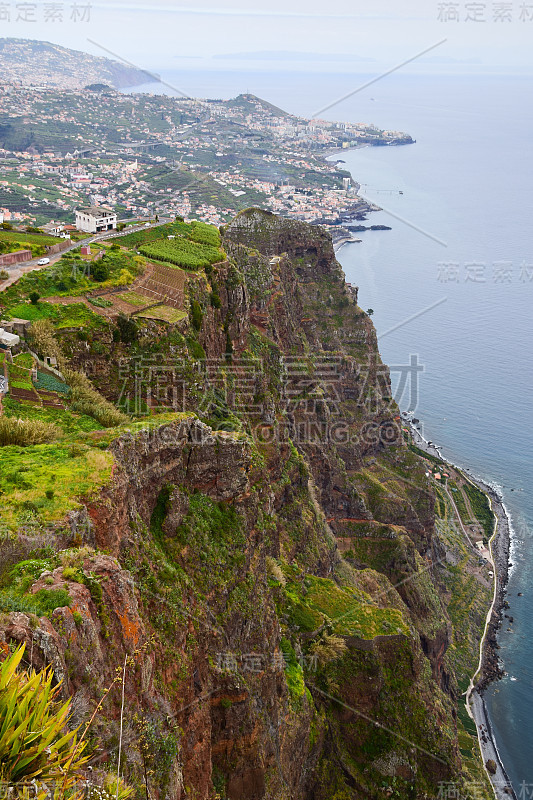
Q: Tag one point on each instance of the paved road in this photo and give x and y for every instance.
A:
(501, 784)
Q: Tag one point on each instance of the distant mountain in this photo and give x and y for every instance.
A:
(251, 103)
(34, 63)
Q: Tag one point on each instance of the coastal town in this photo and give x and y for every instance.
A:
(63, 149)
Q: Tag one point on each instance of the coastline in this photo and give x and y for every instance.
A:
(325, 156)
(489, 667)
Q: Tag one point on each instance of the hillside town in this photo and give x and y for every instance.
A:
(63, 149)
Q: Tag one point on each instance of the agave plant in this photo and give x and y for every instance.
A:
(39, 756)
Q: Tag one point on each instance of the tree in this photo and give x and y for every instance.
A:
(34, 297)
(127, 328)
(370, 312)
(196, 315)
(7, 226)
(100, 270)
(42, 339)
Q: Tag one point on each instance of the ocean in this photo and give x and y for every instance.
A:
(451, 286)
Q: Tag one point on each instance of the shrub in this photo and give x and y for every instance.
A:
(329, 648)
(42, 338)
(197, 314)
(26, 432)
(4, 274)
(128, 330)
(70, 573)
(47, 600)
(87, 400)
(36, 744)
(34, 298)
(275, 571)
(100, 271)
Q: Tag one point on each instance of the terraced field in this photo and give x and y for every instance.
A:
(165, 284)
(164, 313)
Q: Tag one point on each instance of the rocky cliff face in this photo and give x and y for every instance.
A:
(273, 571)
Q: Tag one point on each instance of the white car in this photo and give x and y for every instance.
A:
(43, 261)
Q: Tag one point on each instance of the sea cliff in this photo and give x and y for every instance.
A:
(301, 611)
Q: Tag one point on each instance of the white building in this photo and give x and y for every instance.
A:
(95, 219)
(53, 228)
(8, 340)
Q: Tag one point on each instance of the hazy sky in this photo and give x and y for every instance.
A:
(166, 34)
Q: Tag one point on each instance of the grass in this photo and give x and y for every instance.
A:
(74, 315)
(481, 507)
(67, 470)
(71, 424)
(24, 360)
(345, 611)
(164, 313)
(135, 299)
(27, 238)
(32, 311)
(42, 603)
(18, 377)
(26, 432)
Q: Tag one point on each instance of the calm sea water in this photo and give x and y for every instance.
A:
(466, 183)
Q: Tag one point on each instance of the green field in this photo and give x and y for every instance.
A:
(196, 245)
(61, 470)
(28, 238)
(152, 234)
(136, 299)
(183, 253)
(73, 315)
(164, 313)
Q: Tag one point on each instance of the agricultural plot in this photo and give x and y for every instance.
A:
(163, 313)
(166, 284)
(153, 234)
(136, 299)
(49, 383)
(19, 377)
(193, 245)
(183, 253)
